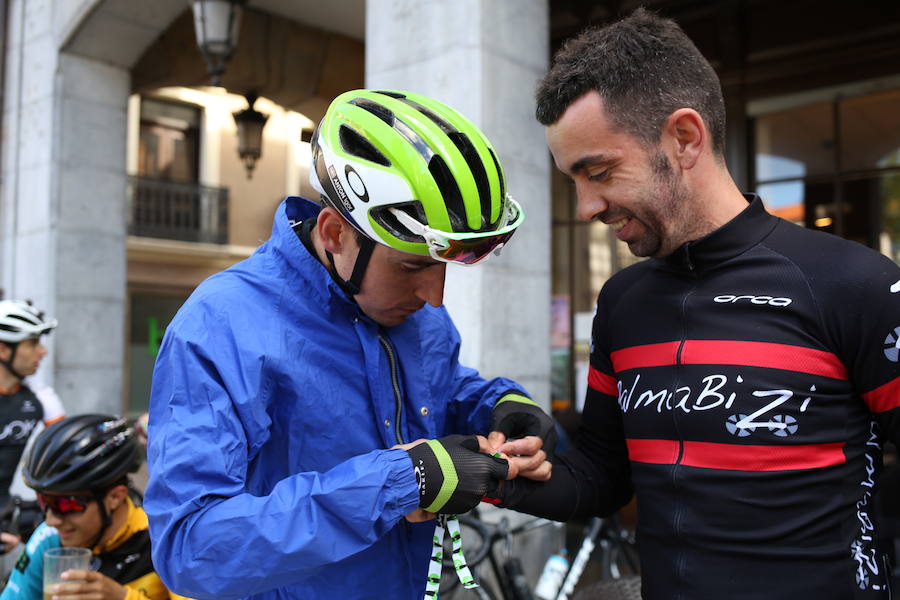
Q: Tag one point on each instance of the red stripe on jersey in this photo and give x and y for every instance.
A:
(648, 355)
(603, 383)
(661, 452)
(737, 457)
(730, 352)
(885, 397)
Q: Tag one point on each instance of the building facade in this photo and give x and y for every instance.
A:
(122, 189)
(121, 186)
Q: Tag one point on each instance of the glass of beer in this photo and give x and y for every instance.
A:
(58, 560)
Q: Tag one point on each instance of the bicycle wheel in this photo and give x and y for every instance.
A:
(482, 592)
(626, 588)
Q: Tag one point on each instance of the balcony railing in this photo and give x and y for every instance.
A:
(177, 211)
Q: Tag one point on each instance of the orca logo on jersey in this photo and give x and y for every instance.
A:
(770, 300)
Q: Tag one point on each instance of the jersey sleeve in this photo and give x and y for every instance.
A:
(26, 580)
(871, 341)
(52, 405)
(593, 478)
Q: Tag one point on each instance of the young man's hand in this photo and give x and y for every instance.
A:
(525, 456)
(88, 585)
(453, 474)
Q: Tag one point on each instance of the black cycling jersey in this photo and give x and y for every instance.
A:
(743, 388)
(20, 412)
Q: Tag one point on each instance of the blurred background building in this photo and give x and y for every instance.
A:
(126, 182)
(122, 185)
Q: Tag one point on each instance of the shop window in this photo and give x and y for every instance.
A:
(150, 314)
(584, 256)
(835, 166)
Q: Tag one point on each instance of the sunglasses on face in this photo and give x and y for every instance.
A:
(63, 505)
(465, 248)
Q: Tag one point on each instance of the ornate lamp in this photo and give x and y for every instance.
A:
(216, 25)
(250, 125)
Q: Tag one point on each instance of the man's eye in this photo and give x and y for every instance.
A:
(408, 268)
(598, 176)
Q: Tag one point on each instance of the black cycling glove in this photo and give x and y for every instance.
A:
(453, 475)
(518, 417)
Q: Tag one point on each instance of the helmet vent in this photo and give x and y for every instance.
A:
(386, 219)
(376, 109)
(470, 154)
(500, 175)
(356, 145)
(397, 95)
(450, 192)
(445, 125)
(23, 319)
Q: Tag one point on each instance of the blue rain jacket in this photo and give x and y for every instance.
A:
(272, 411)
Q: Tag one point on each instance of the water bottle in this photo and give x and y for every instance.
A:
(552, 576)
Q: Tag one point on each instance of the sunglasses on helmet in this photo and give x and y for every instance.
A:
(63, 505)
(465, 248)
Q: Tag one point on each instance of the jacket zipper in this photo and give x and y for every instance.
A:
(395, 384)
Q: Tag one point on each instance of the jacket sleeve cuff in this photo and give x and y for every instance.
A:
(402, 479)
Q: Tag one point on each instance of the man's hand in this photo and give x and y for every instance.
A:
(524, 455)
(453, 475)
(88, 585)
(518, 417)
(524, 432)
(8, 541)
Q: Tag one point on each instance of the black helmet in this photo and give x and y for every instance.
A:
(84, 452)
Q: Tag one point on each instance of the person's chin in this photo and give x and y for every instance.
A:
(394, 317)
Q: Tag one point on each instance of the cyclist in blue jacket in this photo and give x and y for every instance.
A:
(293, 392)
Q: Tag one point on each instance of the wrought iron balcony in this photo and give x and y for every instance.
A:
(177, 211)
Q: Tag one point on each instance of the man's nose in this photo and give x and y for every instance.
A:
(431, 287)
(51, 518)
(590, 204)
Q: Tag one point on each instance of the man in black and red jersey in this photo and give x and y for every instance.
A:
(744, 379)
(24, 404)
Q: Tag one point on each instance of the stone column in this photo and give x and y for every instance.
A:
(63, 233)
(483, 57)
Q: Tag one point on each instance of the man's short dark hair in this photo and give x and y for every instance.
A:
(644, 67)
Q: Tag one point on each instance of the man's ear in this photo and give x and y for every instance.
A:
(115, 496)
(688, 135)
(332, 230)
(5, 351)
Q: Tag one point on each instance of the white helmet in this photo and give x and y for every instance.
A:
(20, 321)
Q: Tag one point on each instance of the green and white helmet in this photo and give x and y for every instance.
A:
(413, 174)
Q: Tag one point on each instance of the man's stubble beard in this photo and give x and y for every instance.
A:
(671, 204)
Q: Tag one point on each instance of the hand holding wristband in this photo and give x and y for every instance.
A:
(453, 475)
(518, 416)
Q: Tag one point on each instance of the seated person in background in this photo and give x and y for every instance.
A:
(79, 468)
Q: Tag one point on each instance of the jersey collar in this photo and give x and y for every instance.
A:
(733, 238)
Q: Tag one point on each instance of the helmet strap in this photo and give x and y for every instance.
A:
(353, 285)
(104, 516)
(8, 364)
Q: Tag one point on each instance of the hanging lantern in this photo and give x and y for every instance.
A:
(216, 25)
(250, 125)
